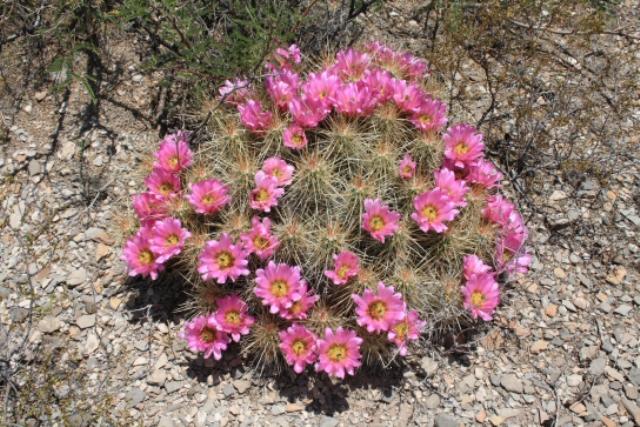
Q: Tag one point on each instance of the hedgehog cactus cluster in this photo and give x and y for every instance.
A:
(330, 218)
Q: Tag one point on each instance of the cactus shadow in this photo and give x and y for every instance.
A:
(162, 300)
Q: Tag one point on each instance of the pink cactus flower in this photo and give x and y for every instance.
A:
(259, 239)
(279, 286)
(499, 210)
(282, 87)
(298, 345)
(430, 115)
(351, 65)
(355, 99)
(412, 67)
(379, 220)
(484, 174)
(338, 352)
(149, 207)
(456, 189)
(381, 53)
(140, 259)
(266, 194)
(321, 87)
(407, 167)
(174, 154)
(222, 260)
(163, 183)
(463, 145)
(253, 117)
(234, 92)
(232, 316)
(308, 112)
(481, 296)
(432, 209)
(407, 329)
(299, 309)
(278, 169)
(294, 137)
(167, 238)
(208, 196)
(379, 311)
(203, 334)
(380, 84)
(473, 266)
(408, 96)
(287, 57)
(510, 256)
(346, 266)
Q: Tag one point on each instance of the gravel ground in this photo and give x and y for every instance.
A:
(564, 349)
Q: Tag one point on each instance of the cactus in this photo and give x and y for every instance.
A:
(339, 208)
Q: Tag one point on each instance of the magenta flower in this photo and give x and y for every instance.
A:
(456, 189)
(203, 334)
(379, 311)
(298, 345)
(432, 209)
(208, 196)
(163, 183)
(408, 96)
(266, 194)
(174, 154)
(307, 112)
(279, 286)
(380, 84)
(408, 329)
(278, 169)
(346, 266)
(473, 266)
(355, 99)
(407, 167)
(510, 256)
(351, 65)
(321, 87)
(294, 137)
(232, 316)
(259, 239)
(463, 145)
(222, 260)
(379, 220)
(300, 308)
(499, 210)
(430, 115)
(288, 57)
(149, 207)
(234, 92)
(167, 238)
(412, 67)
(481, 296)
(253, 117)
(338, 352)
(485, 174)
(139, 257)
(282, 87)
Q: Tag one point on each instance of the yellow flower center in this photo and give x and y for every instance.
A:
(173, 239)
(208, 334)
(376, 223)
(165, 188)
(377, 310)
(262, 195)
(260, 242)
(277, 172)
(342, 271)
(225, 259)
(408, 170)
(461, 148)
(425, 119)
(296, 308)
(145, 257)
(297, 139)
(299, 347)
(232, 317)
(279, 288)
(430, 212)
(173, 161)
(401, 330)
(208, 199)
(337, 352)
(477, 298)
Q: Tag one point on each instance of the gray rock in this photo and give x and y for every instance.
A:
(228, 390)
(511, 383)
(623, 310)
(574, 380)
(326, 421)
(157, 377)
(428, 365)
(277, 409)
(77, 277)
(444, 420)
(86, 321)
(632, 408)
(634, 376)
(596, 367)
(242, 385)
(432, 402)
(135, 396)
(49, 324)
(172, 386)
